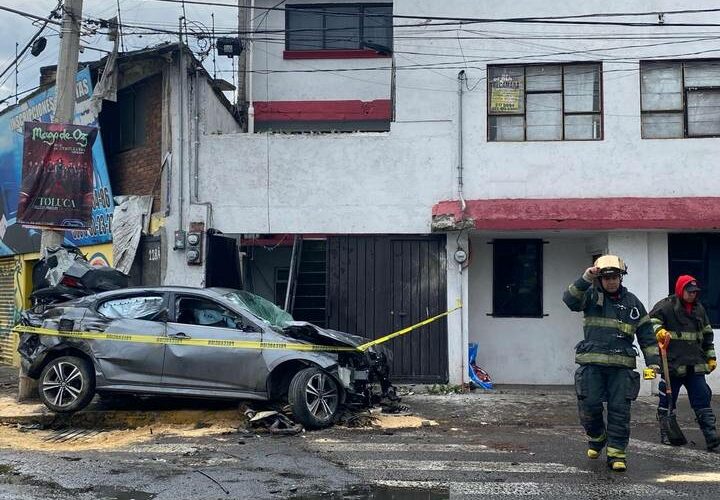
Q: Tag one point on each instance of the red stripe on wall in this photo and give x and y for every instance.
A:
(588, 213)
(380, 109)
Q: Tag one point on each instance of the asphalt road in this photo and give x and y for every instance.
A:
(512, 445)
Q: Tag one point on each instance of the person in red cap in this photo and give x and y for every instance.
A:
(681, 320)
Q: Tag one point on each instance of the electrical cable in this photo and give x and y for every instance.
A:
(32, 40)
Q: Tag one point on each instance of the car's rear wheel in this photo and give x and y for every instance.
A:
(66, 384)
(314, 397)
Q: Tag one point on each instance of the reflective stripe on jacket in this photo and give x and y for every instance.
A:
(610, 326)
(691, 336)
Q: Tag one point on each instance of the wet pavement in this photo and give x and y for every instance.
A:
(511, 443)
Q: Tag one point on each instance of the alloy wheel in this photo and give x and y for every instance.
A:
(63, 384)
(321, 396)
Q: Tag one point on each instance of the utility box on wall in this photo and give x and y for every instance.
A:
(194, 241)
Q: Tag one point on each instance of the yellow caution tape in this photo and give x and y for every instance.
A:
(364, 347)
(230, 344)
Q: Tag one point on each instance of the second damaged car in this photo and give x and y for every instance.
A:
(216, 343)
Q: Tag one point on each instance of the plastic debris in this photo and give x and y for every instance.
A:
(478, 376)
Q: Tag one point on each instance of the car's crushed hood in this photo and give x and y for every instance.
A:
(302, 330)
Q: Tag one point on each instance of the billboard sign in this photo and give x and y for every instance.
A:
(15, 238)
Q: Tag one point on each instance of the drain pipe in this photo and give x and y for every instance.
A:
(461, 82)
(249, 66)
(181, 127)
(460, 254)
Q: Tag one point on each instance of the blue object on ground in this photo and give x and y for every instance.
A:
(478, 376)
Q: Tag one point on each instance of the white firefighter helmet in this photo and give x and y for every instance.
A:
(611, 264)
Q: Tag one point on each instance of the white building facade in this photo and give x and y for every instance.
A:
(531, 146)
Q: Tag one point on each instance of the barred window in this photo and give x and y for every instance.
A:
(517, 278)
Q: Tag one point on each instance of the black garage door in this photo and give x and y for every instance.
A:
(380, 284)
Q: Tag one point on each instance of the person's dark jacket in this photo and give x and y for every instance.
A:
(691, 335)
(610, 326)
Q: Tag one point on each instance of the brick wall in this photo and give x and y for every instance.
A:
(137, 170)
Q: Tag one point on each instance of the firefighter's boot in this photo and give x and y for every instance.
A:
(661, 414)
(595, 446)
(706, 421)
(616, 459)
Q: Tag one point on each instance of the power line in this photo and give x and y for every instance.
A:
(566, 19)
(34, 37)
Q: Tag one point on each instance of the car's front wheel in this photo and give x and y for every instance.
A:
(66, 384)
(314, 397)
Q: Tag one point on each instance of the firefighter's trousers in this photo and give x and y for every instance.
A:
(618, 387)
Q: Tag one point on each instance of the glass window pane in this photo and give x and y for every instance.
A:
(582, 127)
(507, 128)
(543, 77)
(342, 28)
(131, 307)
(378, 25)
(305, 30)
(544, 117)
(703, 113)
(661, 86)
(662, 125)
(505, 90)
(582, 88)
(702, 74)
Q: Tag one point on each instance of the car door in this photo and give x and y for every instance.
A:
(214, 367)
(142, 316)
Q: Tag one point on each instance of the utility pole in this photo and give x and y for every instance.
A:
(65, 77)
(65, 87)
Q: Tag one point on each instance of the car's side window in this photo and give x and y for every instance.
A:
(203, 312)
(147, 307)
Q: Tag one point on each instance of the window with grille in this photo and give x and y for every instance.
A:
(517, 278)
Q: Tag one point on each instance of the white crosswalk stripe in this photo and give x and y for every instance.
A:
(465, 466)
(525, 489)
(469, 470)
(335, 445)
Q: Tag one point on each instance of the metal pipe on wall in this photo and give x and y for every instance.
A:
(249, 52)
(461, 82)
(181, 126)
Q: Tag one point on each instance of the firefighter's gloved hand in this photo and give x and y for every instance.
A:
(655, 368)
(712, 364)
(662, 336)
(591, 273)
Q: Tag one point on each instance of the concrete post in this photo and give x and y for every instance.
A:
(64, 113)
(457, 290)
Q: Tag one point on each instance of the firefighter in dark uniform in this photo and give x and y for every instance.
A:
(681, 320)
(612, 318)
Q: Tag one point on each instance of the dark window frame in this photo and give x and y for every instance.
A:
(601, 104)
(507, 313)
(129, 99)
(685, 91)
(684, 264)
(317, 9)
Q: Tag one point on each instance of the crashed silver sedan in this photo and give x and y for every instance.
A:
(217, 343)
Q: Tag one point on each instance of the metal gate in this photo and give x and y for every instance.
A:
(7, 309)
(380, 284)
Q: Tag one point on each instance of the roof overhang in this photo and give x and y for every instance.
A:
(687, 213)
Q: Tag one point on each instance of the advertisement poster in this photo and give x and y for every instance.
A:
(40, 107)
(57, 178)
(506, 94)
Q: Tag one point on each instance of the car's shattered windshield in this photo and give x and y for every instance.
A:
(264, 309)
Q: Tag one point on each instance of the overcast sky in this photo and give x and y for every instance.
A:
(16, 28)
